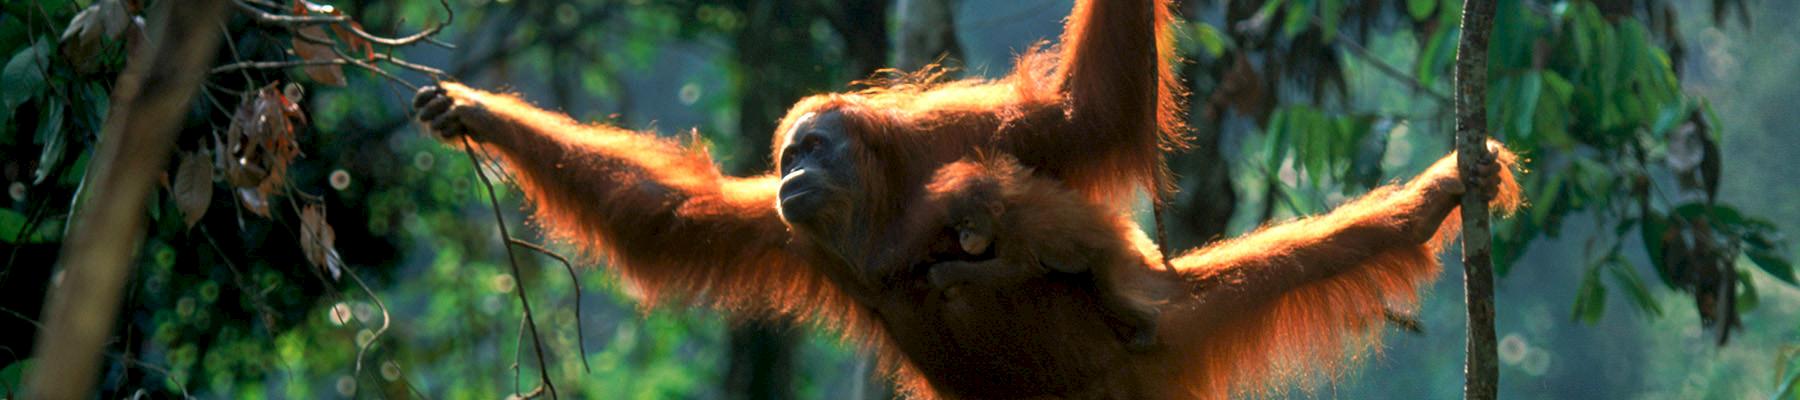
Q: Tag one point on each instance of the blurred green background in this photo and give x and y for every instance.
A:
(1659, 134)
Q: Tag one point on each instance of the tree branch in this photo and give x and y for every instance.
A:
(580, 338)
(150, 100)
(524, 301)
(295, 21)
(1481, 370)
(1382, 66)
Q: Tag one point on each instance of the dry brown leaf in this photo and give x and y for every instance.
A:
(311, 51)
(316, 240)
(255, 201)
(193, 187)
(355, 43)
(259, 145)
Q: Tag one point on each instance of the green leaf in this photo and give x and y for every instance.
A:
(1651, 235)
(12, 222)
(1531, 85)
(1210, 39)
(1275, 146)
(23, 77)
(77, 170)
(1631, 39)
(12, 32)
(1318, 145)
(1627, 277)
(50, 135)
(1420, 9)
(1747, 299)
(1330, 13)
(1774, 264)
(1590, 297)
(1790, 382)
(1299, 13)
(1558, 85)
(1671, 114)
(1725, 215)
(1546, 199)
(1270, 7)
(1712, 119)
(1436, 55)
(12, 377)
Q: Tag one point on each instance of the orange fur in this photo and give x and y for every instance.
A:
(1295, 333)
(1093, 115)
(1038, 227)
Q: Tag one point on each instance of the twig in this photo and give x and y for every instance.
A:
(256, 297)
(580, 338)
(342, 59)
(386, 320)
(534, 393)
(362, 348)
(518, 350)
(165, 372)
(1409, 323)
(122, 359)
(244, 65)
(1385, 68)
(434, 72)
(524, 302)
(294, 21)
(389, 57)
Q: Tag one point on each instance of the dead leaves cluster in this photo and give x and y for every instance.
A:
(253, 158)
(260, 144)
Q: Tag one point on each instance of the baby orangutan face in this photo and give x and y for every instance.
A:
(975, 233)
(975, 219)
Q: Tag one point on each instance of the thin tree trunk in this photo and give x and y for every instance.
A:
(761, 359)
(1202, 210)
(1481, 372)
(761, 363)
(927, 34)
(148, 104)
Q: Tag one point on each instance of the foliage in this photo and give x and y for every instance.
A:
(282, 203)
(1590, 94)
(279, 193)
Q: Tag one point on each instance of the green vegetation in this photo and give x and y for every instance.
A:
(308, 243)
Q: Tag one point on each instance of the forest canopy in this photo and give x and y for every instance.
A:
(304, 239)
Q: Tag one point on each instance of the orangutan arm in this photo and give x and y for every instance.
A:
(660, 212)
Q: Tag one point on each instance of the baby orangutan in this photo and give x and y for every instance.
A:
(1012, 227)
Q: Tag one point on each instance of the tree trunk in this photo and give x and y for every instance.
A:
(777, 44)
(1202, 210)
(927, 34)
(1481, 372)
(148, 104)
(761, 360)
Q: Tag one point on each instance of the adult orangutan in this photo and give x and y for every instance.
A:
(1092, 113)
